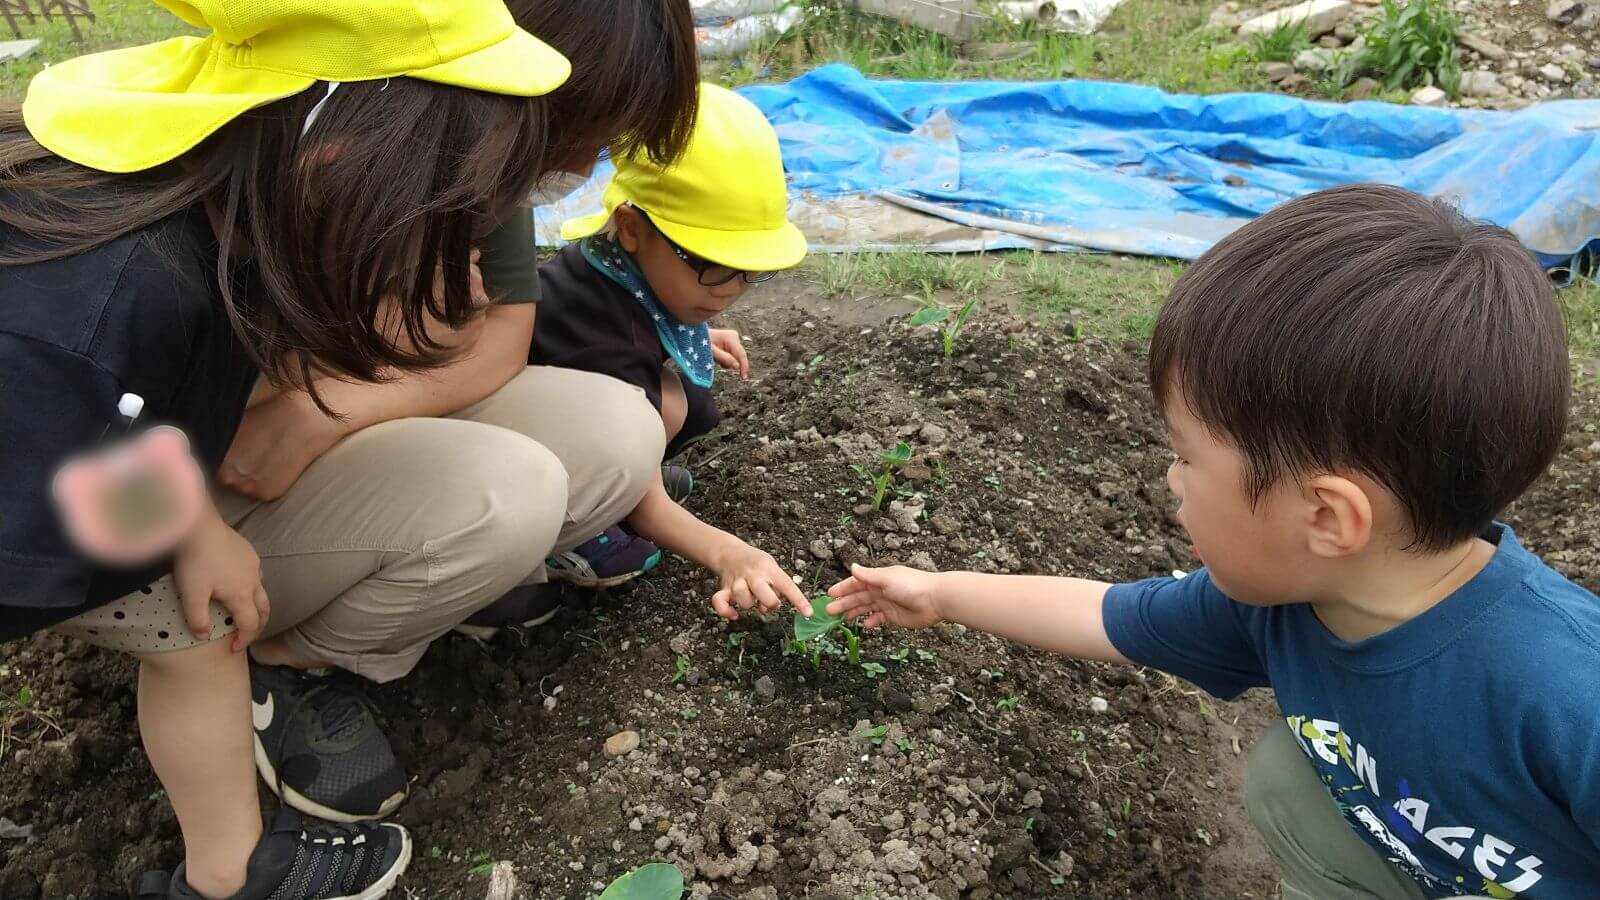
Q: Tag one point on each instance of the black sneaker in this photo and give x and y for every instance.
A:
(295, 861)
(528, 606)
(319, 747)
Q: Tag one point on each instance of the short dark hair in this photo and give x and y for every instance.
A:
(635, 83)
(1369, 329)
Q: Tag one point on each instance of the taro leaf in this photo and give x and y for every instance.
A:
(656, 881)
(966, 313)
(820, 622)
(929, 315)
(898, 456)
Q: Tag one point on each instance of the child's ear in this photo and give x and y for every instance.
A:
(629, 227)
(1340, 517)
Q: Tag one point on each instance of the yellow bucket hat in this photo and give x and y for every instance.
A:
(724, 200)
(132, 109)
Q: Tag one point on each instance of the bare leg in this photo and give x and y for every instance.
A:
(674, 404)
(194, 717)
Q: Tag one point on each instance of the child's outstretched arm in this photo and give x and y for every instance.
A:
(751, 578)
(1061, 615)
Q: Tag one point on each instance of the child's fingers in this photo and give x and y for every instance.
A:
(843, 606)
(742, 358)
(247, 621)
(719, 603)
(741, 595)
(795, 596)
(846, 587)
(724, 358)
(196, 601)
(766, 598)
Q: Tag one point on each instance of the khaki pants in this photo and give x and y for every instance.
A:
(404, 529)
(1318, 854)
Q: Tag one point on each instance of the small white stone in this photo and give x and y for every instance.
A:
(1098, 705)
(1429, 96)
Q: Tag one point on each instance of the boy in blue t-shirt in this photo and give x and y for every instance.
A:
(1355, 386)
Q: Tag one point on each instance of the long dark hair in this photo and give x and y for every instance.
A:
(635, 76)
(395, 180)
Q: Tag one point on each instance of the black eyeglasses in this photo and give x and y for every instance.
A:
(711, 274)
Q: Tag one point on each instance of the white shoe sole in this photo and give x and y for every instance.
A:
(485, 632)
(300, 803)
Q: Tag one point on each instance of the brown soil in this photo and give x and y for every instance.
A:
(967, 768)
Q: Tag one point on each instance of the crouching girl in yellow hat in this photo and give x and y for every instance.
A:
(678, 245)
(297, 194)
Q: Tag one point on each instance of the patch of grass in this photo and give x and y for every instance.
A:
(1161, 42)
(1581, 303)
(1282, 44)
(119, 23)
(920, 276)
(1412, 45)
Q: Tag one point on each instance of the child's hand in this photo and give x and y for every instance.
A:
(728, 351)
(217, 565)
(897, 596)
(752, 579)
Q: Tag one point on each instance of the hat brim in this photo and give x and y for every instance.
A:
(749, 251)
(81, 109)
(136, 108)
(519, 66)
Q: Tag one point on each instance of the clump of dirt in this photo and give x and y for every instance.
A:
(944, 764)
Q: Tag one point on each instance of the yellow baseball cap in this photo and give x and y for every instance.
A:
(132, 109)
(724, 200)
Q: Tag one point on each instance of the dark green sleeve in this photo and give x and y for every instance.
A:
(509, 260)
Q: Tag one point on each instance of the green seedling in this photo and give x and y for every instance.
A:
(1027, 824)
(852, 646)
(819, 623)
(901, 655)
(935, 315)
(735, 639)
(690, 714)
(873, 669)
(906, 745)
(680, 670)
(927, 655)
(875, 736)
(889, 462)
(656, 881)
(435, 852)
(1009, 704)
(482, 863)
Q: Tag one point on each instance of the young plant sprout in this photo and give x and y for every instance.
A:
(890, 462)
(656, 881)
(934, 315)
(809, 632)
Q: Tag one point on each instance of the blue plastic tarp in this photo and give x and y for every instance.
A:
(1134, 169)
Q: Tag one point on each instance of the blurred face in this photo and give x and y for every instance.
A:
(1256, 554)
(676, 282)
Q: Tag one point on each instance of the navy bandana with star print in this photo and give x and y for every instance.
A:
(688, 345)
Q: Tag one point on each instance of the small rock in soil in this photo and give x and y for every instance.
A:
(1098, 705)
(821, 550)
(622, 743)
(1482, 85)
(933, 434)
(1276, 71)
(1553, 73)
(1364, 88)
(1319, 17)
(1429, 96)
(1330, 42)
(1293, 83)
(766, 689)
(1480, 45)
(1564, 12)
(1346, 32)
(1317, 59)
(11, 831)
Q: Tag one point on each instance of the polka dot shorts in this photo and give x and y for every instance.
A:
(147, 621)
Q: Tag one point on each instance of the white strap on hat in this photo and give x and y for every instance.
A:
(311, 117)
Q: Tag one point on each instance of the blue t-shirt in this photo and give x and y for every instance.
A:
(1464, 745)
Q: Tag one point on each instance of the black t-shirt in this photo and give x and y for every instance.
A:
(142, 314)
(509, 260)
(591, 323)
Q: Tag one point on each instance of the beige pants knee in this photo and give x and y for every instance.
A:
(1318, 854)
(403, 530)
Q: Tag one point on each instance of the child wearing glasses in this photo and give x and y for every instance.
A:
(631, 298)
